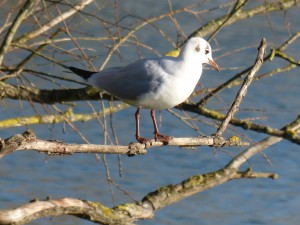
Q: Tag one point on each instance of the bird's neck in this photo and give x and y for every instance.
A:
(188, 60)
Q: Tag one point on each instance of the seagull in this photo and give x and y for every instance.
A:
(154, 83)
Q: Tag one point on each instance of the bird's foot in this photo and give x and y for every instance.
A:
(142, 140)
(158, 137)
(163, 138)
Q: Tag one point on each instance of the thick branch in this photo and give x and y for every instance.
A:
(50, 96)
(92, 211)
(243, 14)
(28, 141)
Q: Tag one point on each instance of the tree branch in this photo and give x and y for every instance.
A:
(92, 211)
(242, 92)
(124, 213)
(14, 27)
(237, 7)
(247, 125)
(44, 28)
(29, 141)
(50, 96)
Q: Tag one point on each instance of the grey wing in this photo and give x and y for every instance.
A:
(129, 82)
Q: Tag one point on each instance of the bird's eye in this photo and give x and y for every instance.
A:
(197, 48)
(206, 51)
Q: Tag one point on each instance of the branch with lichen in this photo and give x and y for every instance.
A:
(126, 213)
(245, 124)
(53, 96)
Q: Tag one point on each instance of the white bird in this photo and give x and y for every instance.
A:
(155, 83)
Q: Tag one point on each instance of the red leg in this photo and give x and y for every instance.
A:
(137, 128)
(157, 135)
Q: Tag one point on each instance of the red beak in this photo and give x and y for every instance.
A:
(214, 64)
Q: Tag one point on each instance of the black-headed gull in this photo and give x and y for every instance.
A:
(154, 83)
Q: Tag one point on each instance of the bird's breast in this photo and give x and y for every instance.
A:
(170, 92)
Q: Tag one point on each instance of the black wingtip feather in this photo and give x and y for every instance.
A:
(85, 74)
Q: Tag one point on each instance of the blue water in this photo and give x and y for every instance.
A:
(274, 101)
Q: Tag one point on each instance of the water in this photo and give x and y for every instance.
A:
(29, 175)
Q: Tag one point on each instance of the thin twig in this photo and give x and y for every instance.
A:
(238, 5)
(44, 28)
(14, 27)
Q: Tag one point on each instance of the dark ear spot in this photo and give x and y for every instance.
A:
(197, 48)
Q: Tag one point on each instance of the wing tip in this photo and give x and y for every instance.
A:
(85, 74)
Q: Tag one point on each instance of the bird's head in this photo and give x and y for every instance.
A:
(200, 49)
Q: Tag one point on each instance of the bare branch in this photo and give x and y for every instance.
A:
(237, 7)
(252, 175)
(242, 92)
(44, 28)
(14, 27)
(29, 141)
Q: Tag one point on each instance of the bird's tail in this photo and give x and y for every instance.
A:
(85, 74)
